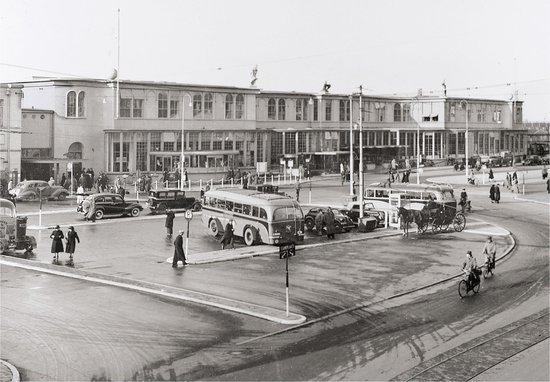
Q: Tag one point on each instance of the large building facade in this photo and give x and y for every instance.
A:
(10, 130)
(80, 122)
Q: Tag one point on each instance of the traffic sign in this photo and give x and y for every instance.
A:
(189, 214)
(287, 250)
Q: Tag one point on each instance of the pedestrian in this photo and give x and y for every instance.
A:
(548, 185)
(497, 194)
(90, 214)
(185, 177)
(491, 175)
(122, 192)
(492, 193)
(508, 180)
(329, 220)
(514, 176)
(179, 254)
(319, 220)
(63, 179)
(516, 184)
(228, 236)
(51, 182)
(544, 172)
(298, 192)
(342, 173)
(72, 238)
(79, 195)
(57, 242)
(169, 223)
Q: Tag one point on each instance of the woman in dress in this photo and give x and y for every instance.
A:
(72, 238)
(57, 242)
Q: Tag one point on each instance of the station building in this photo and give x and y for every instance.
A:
(78, 121)
(10, 131)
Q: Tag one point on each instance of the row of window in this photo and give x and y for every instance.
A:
(239, 208)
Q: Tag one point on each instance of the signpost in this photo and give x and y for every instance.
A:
(40, 189)
(188, 217)
(286, 251)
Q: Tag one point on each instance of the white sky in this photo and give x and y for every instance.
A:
(388, 46)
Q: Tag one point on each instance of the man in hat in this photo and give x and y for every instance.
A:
(179, 254)
(169, 223)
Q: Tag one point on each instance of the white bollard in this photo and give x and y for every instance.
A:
(271, 179)
(232, 182)
(137, 192)
(189, 181)
(265, 177)
(278, 179)
(284, 176)
(156, 184)
(222, 182)
(211, 183)
(200, 183)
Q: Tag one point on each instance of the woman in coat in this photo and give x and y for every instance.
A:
(497, 193)
(329, 220)
(57, 242)
(492, 193)
(491, 175)
(72, 238)
(227, 237)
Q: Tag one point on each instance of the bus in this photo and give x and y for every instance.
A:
(257, 217)
(410, 196)
(13, 230)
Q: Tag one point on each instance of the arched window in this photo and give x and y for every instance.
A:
(406, 112)
(80, 103)
(75, 151)
(228, 106)
(282, 110)
(208, 105)
(162, 105)
(197, 105)
(71, 104)
(271, 108)
(397, 112)
(299, 109)
(239, 107)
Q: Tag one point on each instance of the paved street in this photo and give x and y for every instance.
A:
(340, 288)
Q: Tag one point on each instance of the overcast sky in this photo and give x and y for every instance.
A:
(388, 46)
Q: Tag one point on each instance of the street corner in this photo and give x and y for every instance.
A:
(8, 372)
(485, 229)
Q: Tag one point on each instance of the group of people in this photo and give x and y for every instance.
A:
(325, 219)
(179, 253)
(57, 237)
(470, 266)
(494, 193)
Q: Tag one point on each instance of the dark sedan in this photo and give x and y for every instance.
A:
(109, 205)
(160, 200)
(342, 222)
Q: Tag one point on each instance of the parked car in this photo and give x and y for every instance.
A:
(368, 212)
(160, 200)
(109, 205)
(341, 221)
(33, 189)
(533, 160)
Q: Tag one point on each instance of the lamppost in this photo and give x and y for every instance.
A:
(351, 177)
(466, 137)
(182, 160)
(361, 185)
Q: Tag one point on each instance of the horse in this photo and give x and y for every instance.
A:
(410, 216)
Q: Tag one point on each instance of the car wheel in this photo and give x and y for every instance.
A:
(310, 224)
(134, 212)
(62, 196)
(99, 214)
(250, 235)
(196, 207)
(338, 227)
(161, 208)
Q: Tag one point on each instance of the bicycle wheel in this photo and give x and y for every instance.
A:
(486, 273)
(476, 287)
(462, 289)
(459, 222)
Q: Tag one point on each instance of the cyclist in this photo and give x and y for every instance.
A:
(470, 268)
(490, 251)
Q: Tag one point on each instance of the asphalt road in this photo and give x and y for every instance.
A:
(85, 331)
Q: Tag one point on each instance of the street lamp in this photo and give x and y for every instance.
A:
(182, 160)
(466, 136)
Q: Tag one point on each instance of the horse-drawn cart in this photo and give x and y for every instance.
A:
(439, 217)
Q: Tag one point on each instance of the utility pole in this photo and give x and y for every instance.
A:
(361, 185)
(351, 177)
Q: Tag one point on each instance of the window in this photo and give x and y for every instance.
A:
(328, 110)
(435, 118)
(206, 138)
(282, 110)
(2, 113)
(208, 105)
(81, 96)
(344, 110)
(426, 118)
(168, 146)
(393, 138)
(125, 108)
(452, 112)
(228, 106)
(71, 104)
(479, 114)
(141, 156)
(271, 108)
(217, 145)
(315, 110)
(155, 141)
(406, 112)
(380, 110)
(397, 112)
(299, 109)
(138, 108)
(290, 142)
(197, 105)
(519, 113)
(239, 109)
(173, 108)
(162, 102)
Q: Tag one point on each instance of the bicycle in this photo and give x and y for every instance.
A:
(488, 268)
(464, 286)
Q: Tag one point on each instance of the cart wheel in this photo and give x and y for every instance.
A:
(445, 226)
(459, 222)
(422, 228)
(436, 227)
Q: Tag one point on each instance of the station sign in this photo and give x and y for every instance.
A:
(287, 250)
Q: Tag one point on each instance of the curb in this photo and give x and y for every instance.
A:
(15, 377)
(531, 201)
(263, 312)
(507, 252)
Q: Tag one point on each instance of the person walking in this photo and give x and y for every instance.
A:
(491, 175)
(342, 173)
(508, 180)
(169, 223)
(492, 193)
(72, 238)
(63, 179)
(497, 194)
(298, 192)
(329, 220)
(179, 254)
(57, 242)
(90, 214)
(319, 220)
(548, 185)
(51, 182)
(544, 172)
(228, 236)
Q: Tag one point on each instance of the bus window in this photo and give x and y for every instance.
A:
(255, 211)
(287, 213)
(263, 214)
(378, 193)
(220, 204)
(170, 195)
(228, 205)
(246, 209)
(238, 207)
(370, 193)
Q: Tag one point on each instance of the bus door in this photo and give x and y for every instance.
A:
(395, 203)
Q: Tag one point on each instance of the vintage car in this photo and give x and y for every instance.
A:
(342, 222)
(13, 230)
(369, 211)
(160, 200)
(533, 160)
(34, 189)
(109, 205)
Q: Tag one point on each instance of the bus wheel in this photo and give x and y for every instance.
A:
(250, 235)
(214, 226)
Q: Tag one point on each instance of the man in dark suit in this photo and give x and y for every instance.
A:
(169, 223)
(179, 254)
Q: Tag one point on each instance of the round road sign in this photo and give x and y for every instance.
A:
(189, 214)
